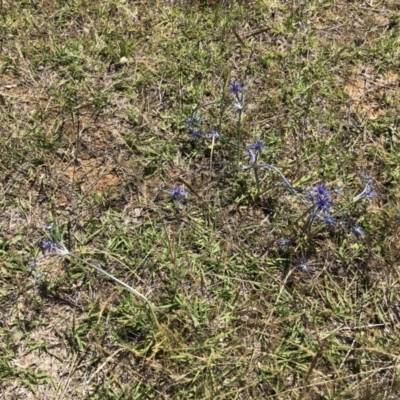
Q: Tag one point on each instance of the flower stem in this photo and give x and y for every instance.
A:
(131, 289)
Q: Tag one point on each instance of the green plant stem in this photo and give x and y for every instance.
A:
(239, 135)
(132, 290)
(257, 181)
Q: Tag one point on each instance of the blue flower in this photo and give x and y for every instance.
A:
(257, 146)
(368, 191)
(235, 88)
(240, 96)
(321, 198)
(321, 190)
(238, 106)
(322, 203)
(213, 133)
(358, 231)
(46, 245)
(196, 132)
(284, 242)
(303, 266)
(178, 192)
(329, 220)
(193, 119)
(254, 149)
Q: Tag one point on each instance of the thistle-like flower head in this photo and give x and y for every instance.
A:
(369, 191)
(178, 192)
(196, 132)
(213, 134)
(254, 149)
(321, 198)
(192, 120)
(302, 265)
(239, 94)
(235, 88)
(281, 243)
(358, 231)
(46, 245)
(321, 190)
(257, 146)
(329, 220)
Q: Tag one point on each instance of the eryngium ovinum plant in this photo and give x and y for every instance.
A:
(52, 246)
(322, 208)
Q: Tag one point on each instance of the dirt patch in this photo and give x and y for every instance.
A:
(367, 90)
(93, 175)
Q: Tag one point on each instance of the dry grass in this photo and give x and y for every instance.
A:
(93, 101)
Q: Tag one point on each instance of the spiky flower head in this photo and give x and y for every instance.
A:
(358, 231)
(255, 148)
(178, 192)
(329, 220)
(235, 88)
(196, 132)
(213, 134)
(46, 245)
(48, 226)
(321, 190)
(321, 198)
(302, 265)
(192, 120)
(281, 243)
(369, 191)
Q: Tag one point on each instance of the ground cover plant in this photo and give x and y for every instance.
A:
(199, 200)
